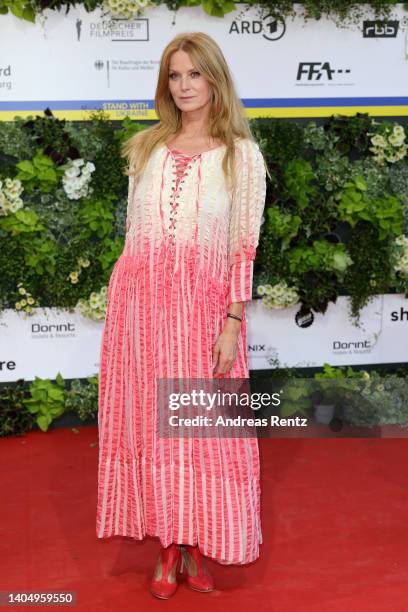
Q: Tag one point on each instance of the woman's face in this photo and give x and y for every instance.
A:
(189, 88)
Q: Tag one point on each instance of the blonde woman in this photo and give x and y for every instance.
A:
(176, 309)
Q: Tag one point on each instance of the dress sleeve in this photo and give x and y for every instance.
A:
(129, 198)
(248, 201)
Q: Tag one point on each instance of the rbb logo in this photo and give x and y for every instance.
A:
(315, 70)
(380, 29)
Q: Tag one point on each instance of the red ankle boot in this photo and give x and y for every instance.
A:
(198, 577)
(164, 581)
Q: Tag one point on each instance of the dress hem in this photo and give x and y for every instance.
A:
(206, 554)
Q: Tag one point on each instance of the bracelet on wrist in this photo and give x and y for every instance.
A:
(229, 314)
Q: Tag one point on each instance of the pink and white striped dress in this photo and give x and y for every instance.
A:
(189, 250)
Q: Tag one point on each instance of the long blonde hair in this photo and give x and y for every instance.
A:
(226, 120)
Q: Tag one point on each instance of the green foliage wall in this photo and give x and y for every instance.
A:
(335, 221)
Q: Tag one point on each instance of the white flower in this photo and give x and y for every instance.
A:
(95, 306)
(391, 147)
(278, 295)
(392, 158)
(16, 205)
(341, 261)
(128, 8)
(396, 140)
(76, 181)
(378, 141)
(71, 172)
(401, 264)
(94, 300)
(402, 240)
(399, 131)
(10, 191)
(277, 291)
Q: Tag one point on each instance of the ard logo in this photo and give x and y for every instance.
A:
(271, 27)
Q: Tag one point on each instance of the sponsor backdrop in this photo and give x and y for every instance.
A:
(283, 68)
(53, 340)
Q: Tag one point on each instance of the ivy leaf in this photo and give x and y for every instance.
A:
(359, 181)
(28, 14)
(22, 11)
(43, 422)
(59, 380)
(48, 174)
(218, 9)
(26, 166)
(42, 161)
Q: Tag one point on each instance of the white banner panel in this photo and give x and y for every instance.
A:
(53, 340)
(50, 341)
(381, 336)
(282, 67)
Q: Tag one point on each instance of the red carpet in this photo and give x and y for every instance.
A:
(334, 517)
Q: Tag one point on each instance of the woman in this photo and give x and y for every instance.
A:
(176, 308)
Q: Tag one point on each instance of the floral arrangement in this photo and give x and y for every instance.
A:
(401, 255)
(77, 177)
(341, 11)
(127, 8)
(388, 143)
(27, 302)
(278, 296)
(10, 193)
(74, 275)
(95, 306)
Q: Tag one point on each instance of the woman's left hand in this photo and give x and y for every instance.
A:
(225, 350)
